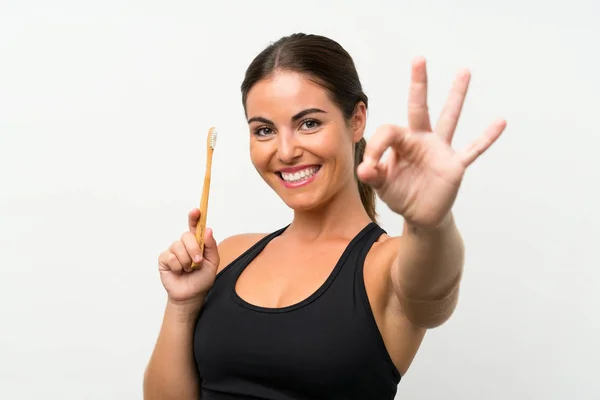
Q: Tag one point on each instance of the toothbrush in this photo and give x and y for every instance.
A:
(211, 141)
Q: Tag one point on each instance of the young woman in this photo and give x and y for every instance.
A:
(329, 306)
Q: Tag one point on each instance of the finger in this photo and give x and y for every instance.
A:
(481, 144)
(418, 111)
(193, 218)
(192, 249)
(371, 170)
(372, 175)
(446, 125)
(168, 261)
(385, 136)
(180, 251)
(211, 250)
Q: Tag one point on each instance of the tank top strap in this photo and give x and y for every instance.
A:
(362, 247)
(362, 302)
(372, 236)
(246, 257)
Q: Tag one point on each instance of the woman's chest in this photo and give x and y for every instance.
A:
(319, 343)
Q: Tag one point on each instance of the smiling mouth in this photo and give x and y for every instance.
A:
(298, 177)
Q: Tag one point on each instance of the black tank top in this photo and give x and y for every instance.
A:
(327, 346)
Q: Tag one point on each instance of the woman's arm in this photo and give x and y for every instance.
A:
(426, 272)
(419, 180)
(171, 372)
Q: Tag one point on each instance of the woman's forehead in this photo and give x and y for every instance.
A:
(286, 92)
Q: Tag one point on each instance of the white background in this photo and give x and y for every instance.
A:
(104, 108)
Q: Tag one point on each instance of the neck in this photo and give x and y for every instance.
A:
(343, 215)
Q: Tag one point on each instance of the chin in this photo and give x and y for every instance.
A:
(302, 193)
(302, 203)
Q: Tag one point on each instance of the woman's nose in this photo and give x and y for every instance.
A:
(287, 148)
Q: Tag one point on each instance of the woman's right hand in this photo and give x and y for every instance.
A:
(184, 285)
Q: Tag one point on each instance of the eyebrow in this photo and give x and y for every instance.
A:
(296, 117)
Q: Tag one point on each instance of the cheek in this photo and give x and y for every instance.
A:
(329, 145)
(259, 156)
(338, 148)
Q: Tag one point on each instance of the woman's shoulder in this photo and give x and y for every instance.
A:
(386, 246)
(234, 246)
(383, 253)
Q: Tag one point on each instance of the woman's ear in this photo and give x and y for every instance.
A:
(358, 122)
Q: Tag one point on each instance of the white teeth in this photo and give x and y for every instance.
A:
(300, 175)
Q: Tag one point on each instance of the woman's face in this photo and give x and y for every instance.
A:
(300, 143)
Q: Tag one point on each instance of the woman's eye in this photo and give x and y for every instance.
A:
(310, 124)
(264, 131)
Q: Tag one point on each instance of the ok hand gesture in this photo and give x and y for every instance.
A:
(422, 174)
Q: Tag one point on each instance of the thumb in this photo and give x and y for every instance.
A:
(372, 173)
(211, 250)
(193, 218)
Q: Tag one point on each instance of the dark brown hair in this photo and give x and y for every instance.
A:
(328, 64)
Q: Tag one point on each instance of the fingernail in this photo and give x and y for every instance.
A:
(197, 258)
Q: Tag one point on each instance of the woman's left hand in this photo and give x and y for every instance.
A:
(420, 177)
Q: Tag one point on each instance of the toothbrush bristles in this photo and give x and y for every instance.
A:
(213, 138)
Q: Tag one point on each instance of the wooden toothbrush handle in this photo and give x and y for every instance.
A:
(201, 226)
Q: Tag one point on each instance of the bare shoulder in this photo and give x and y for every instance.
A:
(234, 246)
(385, 250)
(379, 264)
(377, 269)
